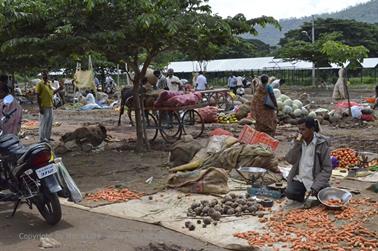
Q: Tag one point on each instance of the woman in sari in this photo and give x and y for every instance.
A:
(265, 115)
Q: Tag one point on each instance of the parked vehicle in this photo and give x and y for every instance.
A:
(29, 174)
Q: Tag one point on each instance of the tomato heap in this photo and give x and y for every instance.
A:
(347, 157)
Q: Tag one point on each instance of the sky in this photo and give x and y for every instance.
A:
(279, 9)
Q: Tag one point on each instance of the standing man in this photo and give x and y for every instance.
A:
(9, 104)
(201, 82)
(162, 81)
(232, 83)
(312, 166)
(173, 82)
(45, 95)
(97, 83)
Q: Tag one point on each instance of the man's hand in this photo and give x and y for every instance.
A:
(312, 192)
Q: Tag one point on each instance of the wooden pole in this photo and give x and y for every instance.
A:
(347, 92)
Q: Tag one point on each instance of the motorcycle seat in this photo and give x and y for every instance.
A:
(17, 149)
(7, 141)
(23, 153)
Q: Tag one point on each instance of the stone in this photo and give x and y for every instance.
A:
(46, 242)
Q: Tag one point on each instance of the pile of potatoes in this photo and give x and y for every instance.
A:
(230, 205)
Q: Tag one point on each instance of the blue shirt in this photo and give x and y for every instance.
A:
(232, 81)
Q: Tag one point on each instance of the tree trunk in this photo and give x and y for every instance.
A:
(347, 93)
(138, 114)
(142, 143)
(103, 77)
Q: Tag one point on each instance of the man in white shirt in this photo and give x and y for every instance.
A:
(201, 82)
(173, 82)
(311, 162)
(276, 84)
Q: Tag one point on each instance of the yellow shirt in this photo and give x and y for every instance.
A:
(45, 93)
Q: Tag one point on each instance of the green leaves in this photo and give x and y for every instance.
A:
(63, 31)
(351, 42)
(340, 53)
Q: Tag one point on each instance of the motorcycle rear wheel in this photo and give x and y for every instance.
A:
(49, 207)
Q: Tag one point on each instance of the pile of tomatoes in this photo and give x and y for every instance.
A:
(347, 157)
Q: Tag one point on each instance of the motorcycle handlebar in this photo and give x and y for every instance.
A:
(6, 116)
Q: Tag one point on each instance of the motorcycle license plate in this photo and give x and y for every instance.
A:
(46, 171)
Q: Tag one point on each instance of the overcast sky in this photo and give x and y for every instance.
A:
(279, 8)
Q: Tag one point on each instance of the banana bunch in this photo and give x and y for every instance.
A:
(227, 118)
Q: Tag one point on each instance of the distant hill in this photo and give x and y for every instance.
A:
(366, 12)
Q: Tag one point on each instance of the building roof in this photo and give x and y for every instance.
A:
(369, 62)
(248, 64)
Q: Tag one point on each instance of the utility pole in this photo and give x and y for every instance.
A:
(313, 42)
(312, 39)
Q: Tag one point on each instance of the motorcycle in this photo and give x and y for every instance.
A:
(30, 174)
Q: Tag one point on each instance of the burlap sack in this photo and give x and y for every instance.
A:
(243, 111)
(182, 152)
(243, 155)
(207, 181)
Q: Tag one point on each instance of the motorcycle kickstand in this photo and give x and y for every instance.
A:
(15, 207)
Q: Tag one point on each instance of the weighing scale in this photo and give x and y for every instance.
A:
(254, 176)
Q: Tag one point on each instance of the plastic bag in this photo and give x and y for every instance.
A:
(208, 114)
(164, 96)
(183, 100)
(69, 187)
(216, 143)
(220, 132)
(356, 112)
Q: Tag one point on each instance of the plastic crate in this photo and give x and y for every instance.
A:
(247, 134)
(250, 136)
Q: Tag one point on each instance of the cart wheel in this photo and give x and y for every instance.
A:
(170, 126)
(151, 127)
(226, 102)
(192, 123)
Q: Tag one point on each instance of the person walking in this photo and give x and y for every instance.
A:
(339, 91)
(45, 94)
(232, 83)
(201, 82)
(265, 115)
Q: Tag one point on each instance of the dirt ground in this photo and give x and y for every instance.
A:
(119, 164)
(80, 230)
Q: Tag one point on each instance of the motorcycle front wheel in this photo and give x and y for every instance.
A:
(49, 207)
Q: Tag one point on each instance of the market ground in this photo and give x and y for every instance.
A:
(80, 230)
(120, 165)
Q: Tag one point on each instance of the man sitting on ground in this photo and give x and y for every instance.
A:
(312, 166)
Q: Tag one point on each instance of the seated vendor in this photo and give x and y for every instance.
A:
(376, 97)
(311, 162)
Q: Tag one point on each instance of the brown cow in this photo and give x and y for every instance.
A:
(127, 99)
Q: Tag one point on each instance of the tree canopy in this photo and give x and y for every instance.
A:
(37, 34)
(297, 45)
